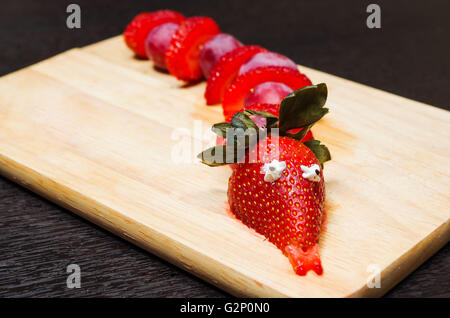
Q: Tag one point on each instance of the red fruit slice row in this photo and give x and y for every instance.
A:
(137, 30)
(226, 70)
(234, 97)
(182, 56)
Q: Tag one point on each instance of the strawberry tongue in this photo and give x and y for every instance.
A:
(303, 261)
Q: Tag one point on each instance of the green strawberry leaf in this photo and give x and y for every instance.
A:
(220, 129)
(303, 107)
(218, 156)
(241, 120)
(245, 131)
(242, 138)
(320, 151)
(300, 109)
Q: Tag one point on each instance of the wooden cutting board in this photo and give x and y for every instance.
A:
(93, 129)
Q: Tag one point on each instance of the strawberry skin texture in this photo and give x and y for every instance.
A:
(235, 94)
(182, 56)
(288, 211)
(226, 70)
(136, 32)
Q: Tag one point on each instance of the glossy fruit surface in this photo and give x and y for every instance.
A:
(214, 48)
(138, 29)
(226, 70)
(182, 56)
(236, 93)
(267, 59)
(158, 41)
(267, 93)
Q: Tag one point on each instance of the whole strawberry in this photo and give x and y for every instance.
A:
(277, 186)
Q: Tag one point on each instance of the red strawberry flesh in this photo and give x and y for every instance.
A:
(214, 48)
(182, 56)
(158, 41)
(267, 93)
(234, 96)
(226, 70)
(138, 29)
(303, 261)
(267, 59)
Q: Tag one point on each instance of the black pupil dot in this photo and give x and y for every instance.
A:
(317, 171)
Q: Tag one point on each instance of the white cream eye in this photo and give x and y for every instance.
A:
(272, 171)
(312, 173)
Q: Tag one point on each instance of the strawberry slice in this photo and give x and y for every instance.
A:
(234, 97)
(226, 70)
(182, 56)
(136, 32)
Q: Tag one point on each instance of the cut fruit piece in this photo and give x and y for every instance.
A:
(158, 40)
(302, 261)
(266, 59)
(138, 29)
(267, 93)
(182, 56)
(214, 48)
(226, 70)
(234, 96)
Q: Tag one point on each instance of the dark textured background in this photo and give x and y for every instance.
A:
(408, 56)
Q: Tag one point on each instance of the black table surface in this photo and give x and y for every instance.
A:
(408, 56)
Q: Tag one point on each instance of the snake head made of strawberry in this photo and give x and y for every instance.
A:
(277, 186)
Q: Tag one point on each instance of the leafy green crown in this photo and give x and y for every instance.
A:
(300, 109)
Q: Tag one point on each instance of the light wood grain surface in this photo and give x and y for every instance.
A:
(93, 129)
